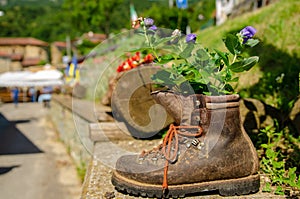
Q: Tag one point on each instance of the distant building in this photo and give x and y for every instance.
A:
(58, 50)
(233, 8)
(95, 38)
(5, 61)
(19, 53)
(223, 10)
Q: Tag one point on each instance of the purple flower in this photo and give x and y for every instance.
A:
(191, 38)
(148, 22)
(154, 28)
(247, 33)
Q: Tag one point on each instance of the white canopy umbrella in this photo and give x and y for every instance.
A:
(10, 79)
(28, 79)
(45, 75)
(14, 76)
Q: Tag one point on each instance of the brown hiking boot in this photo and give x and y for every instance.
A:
(211, 151)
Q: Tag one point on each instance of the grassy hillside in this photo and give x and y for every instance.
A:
(275, 79)
(277, 24)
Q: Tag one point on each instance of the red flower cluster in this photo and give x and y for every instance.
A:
(134, 61)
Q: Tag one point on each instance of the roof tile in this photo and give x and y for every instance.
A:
(21, 41)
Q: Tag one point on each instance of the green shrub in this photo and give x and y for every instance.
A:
(282, 177)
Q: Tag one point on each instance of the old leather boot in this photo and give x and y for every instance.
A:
(213, 152)
(178, 106)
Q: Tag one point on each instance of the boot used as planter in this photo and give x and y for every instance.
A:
(206, 150)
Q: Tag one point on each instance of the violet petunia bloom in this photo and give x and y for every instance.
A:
(148, 22)
(154, 28)
(191, 38)
(247, 33)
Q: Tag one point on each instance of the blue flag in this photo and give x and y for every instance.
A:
(75, 62)
(182, 4)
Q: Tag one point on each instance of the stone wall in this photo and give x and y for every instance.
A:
(68, 124)
(72, 118)
(35, 52)
(56, 55)
(15, 66)
(23, 53)
(14, 49)
(4, 63)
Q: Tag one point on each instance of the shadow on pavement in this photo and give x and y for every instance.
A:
(4, 170)
(12, 140)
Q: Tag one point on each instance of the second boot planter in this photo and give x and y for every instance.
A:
(206, 149)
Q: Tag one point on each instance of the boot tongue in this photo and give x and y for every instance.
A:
(187, 109)
(177, 105)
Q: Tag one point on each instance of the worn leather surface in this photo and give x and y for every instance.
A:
(227, 151)
(178, 106)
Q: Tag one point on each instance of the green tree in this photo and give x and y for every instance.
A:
(93, 15)
(35, 21)
(177, 18)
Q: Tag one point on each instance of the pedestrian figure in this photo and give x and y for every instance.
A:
(15, 96)
(32, 94)
(45, 96)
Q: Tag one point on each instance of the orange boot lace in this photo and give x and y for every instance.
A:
(166, 146)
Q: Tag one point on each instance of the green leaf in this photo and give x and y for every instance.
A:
(292, 177)
(161, 41)
(252, 42)
(267, 187)
(162, 76)
(228, 88)
(244, 65)
(204, 77)
(270, 153)
(223, 56)
(292, 173)
(152, 39)
(180, 80)
(139, 49)
(236, 79)
(186, 53)
(264, 146)
(207, 93)
(202, 54)
(279, 190)
(278, 164)
(232, 44)
(166, 58)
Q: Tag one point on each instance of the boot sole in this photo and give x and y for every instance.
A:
(230, 187)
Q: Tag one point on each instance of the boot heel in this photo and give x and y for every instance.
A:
(240, 188)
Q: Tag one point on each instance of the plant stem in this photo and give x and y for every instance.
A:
(150, 44)
(234, 58)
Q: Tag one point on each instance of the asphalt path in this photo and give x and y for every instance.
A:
(34, 163)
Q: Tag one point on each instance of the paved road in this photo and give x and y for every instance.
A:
(33, 162)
